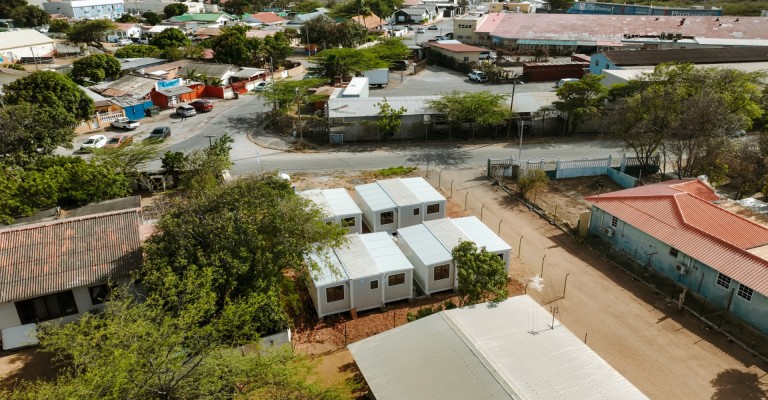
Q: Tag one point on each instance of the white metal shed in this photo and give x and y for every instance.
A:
(452, 231)
(433, 266)
(338, 207)
(391, 204)
(328, 284)
(396, 269)
(363, 272)
(432, 201)
(379, 210)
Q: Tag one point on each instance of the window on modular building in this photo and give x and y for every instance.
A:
(673, 252)
(723, 280)
(335, 293)
(374, 285)
(347, 222)
(397, 279)
(614, 221)
(387, 217)
(442, 272)
(433, 208)
(745, 292)
(416, 211)
(46, 308)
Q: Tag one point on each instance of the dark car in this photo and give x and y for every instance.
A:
(202, 105)
(160, 133)
(399, 65)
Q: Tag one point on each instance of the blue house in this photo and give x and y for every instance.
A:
(675, 228)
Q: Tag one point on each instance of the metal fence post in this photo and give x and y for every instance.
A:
(465, 201)
(520, 247)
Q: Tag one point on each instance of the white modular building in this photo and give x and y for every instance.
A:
(338, 207)
(429, 245)
(391, 204)
(15, 45)
(86, 9)
(370, 272)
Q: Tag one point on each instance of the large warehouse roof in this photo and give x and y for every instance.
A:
(696, 56)
(501, 351)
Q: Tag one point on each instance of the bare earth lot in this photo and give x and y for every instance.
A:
(665, 352)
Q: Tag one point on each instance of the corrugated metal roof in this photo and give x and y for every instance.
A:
(696, 56)
(487, 352)
(341, 202)
(355, 258)
(458, 48)
(375, 197)
(447, 232)
(316, 196)
(356, 107)
(385, 252)
(422, 190)
(328, 269)
(425, 245)
(479, 233)
(49, 257)
(680, 214)
(22, 38)
(210, 70)
(398, 192)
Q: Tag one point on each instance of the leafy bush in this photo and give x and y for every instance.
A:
(395, 171)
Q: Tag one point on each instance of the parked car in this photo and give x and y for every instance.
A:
(433, 28)
(119, 141)
(399, 65)
(478, 76)
(185, 110)
(262, 86)
(124, 42)
(202, 105)
(420, 30)
(159, 134)
(93, 142)
(562, 82)
(125, 123)
(439, 37)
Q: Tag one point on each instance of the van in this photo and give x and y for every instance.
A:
(186, 110)
(562, 82)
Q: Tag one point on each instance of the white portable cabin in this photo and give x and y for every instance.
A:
(433, 266)
(363, 272)
(452, 231)
(396, 269)
(391, 204)
(328, 289)
(338, 207)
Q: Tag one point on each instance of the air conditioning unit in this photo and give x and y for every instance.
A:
(681, 269)
(609, 231)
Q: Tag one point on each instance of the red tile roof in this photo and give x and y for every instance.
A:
(682, 215)
(268, 17)
(613, 27)
(53, 256)
(370, 22)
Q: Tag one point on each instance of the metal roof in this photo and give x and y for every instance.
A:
(209, 70)
(447, 232)
(530, 102)
(480, 234)
(316, 196)
(249, 72)
(425, 245)
(22, 38)
(398, 192)
(696, 56)
(53, 256)
(328, 269)
(457, 47)
(356, 107)
(356, 259)
(341, 202)
(487, 352)
(133, 63)
(175, 91)
(385, 252)
(680, 214)
(422, 189)
(375, 197)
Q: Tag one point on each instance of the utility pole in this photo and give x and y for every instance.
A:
(298, 108)
(272, 75)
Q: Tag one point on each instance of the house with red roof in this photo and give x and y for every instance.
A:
(677, 229)
(264, 19)
(456, 50)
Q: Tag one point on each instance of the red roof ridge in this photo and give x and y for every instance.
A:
(67, 220)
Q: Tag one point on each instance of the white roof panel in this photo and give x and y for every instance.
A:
(22, 38)
(341, 202)
(375, 197)
(355, 107)
(329, 270)
(399, 192)
(479, 233)
(487, 352)
(356, 259)
(425, 245)
(385, 252)
(316, 196)
(422, 189)
(447, 232)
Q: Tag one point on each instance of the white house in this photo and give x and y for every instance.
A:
(86, 9)
(506, 351)
(391, 204)
(264, 19)
(338, 207)
(60, 269)
(429, 245)
(142, 6)
(124, 30)
(24, 43)
(365, 273)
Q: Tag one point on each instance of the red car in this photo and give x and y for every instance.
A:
(202, 105)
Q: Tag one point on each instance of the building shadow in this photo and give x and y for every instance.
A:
(734, 384)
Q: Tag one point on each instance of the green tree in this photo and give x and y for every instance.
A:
(174, 9)
(284, 93)
(128, 160)
(28, 131)
(127, 18)
(30, 16)
(345, 62)
(203, 169)
(483, 108)
(240, 7)
(171, 38)
(481, 274)
(17, 67)
(581, 100)
(52, 90)
(531, 182)
(232, 47)
(390, 119)
(137, 51)
(309, 6)
(152, 18)
(95, 68)
(8, 6)
(90, 32)
(389, 50)
(277, 47)
(59, 25)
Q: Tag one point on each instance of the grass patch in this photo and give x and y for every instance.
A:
(395, 171)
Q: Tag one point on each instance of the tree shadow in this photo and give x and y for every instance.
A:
(27, 364)
(245, 123)
(439, 157)
(734, 384)
(357, 381)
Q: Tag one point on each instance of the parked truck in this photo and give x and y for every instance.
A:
(377, 77)
(125, 123)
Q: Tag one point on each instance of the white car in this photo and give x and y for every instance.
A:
(478, 76)
(93, 142)
(562, 82)
(262, 86)
(124, 42)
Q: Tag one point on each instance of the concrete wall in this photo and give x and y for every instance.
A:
(598, 63)
(622, 179)
(364, 128)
